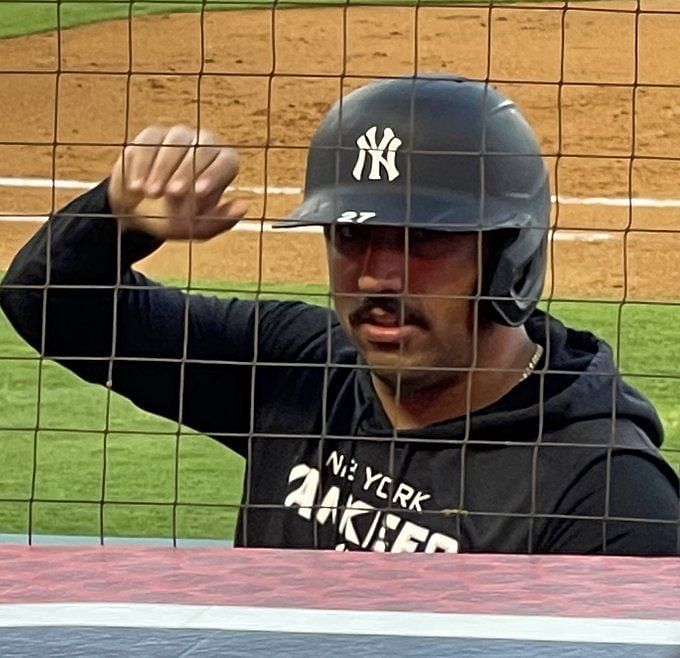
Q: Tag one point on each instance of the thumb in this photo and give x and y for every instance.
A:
(221, 219)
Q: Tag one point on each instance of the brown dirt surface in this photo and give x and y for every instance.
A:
(608, 120)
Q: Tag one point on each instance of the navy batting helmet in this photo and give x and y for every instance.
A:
(442, 153)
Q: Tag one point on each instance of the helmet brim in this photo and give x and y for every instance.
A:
(451, 213)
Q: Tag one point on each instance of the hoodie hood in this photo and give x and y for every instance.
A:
(575, 384)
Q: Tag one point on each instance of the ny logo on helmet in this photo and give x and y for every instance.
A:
(382, 154)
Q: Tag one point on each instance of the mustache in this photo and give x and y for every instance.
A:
(407, 313)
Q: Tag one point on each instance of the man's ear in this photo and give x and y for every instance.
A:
(492, 244)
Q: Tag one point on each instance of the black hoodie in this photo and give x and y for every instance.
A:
(566, 462)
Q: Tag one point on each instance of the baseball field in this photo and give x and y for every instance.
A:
(598, 80)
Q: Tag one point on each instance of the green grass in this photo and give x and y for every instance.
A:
(85, 428)
(19, 18)
(646, 343)
(162, 480)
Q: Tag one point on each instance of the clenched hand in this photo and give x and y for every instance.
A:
(169, 183)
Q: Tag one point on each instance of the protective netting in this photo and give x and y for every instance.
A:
(598, 82)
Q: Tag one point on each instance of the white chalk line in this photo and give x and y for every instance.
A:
(635, 202)
(60, 184)
(257, 226)
(542, 628)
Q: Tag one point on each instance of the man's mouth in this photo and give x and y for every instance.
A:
(384, 321)
(383, 318)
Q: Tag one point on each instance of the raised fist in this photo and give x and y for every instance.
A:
(169, 182)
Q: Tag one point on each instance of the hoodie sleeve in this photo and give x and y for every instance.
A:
(638, 514)
(72, 294)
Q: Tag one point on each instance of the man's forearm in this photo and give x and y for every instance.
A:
(58, 291)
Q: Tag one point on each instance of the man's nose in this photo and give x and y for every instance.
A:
(384, 269)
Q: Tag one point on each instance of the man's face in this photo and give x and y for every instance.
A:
(404, 297)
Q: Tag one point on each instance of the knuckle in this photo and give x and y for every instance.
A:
(206, 138)
(206, 154)
(227, 161)
(232, 156)
(152, 134)
(203, 190)
(177, 189)
(181, 134)
(134, 152)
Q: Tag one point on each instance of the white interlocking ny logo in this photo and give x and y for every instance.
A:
(382, 154)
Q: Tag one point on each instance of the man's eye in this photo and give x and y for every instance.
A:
(421, 241)
(421, 235)
(348, 236)
(346, 233)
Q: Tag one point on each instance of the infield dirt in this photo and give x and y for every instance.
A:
(601, 87)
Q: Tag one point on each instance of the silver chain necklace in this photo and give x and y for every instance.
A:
(533, 363)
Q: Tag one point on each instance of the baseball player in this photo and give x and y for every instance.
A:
(436, 408)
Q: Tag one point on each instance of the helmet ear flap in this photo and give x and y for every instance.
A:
(513, 274)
